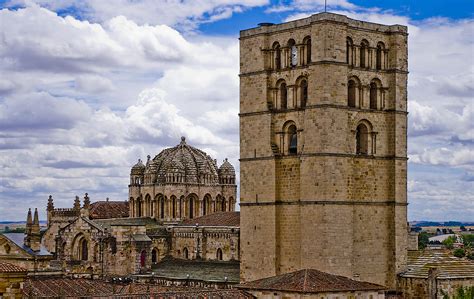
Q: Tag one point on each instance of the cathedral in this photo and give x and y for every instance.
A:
(323, 192)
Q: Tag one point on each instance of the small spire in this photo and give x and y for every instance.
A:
(36, 218)
(77, 204)
(50, 206)
(87, 201)
(29, 220)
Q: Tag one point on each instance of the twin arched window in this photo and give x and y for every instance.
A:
(364, 51)
(300, 92)
(355, 94)
(291, 54)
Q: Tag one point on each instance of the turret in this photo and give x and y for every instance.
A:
(77, 204)
(137, 173)
(32, 232)
(86, 206)
(226, 173)
(50, 209)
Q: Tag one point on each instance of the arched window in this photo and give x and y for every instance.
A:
(223, 205)
(292, 140)
(283, 96)
(351, 93)
(143, 258)
(362, 140)
(162, 207)
(349, 51)
(277, 55)
(154, 256)
(148, 205)
(307, 43)
(173, 204)
(304, 93)
(83, 250)
(373, 95)
(378, 56)
(185, 253)
(139, 207)
(191, 208)
(364, 46)
(293, 53)
(219, 254)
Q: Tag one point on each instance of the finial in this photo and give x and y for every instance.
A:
(107, 199)
(183, 140)
(50, 197)
(225, 160)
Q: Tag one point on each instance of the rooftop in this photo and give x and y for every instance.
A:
(215, 219)
(269, 28)
(419, 264)
(108, 209)
(80, 287)
(310, 281)
(10, 268)
(198, 270)
(107, 223)
(18, 239)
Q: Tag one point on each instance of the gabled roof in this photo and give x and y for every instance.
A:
(448, 266)
(215, 219)
(19, 238)
(108, 209)
(310, 281)
(9, 268)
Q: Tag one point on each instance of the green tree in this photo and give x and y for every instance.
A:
(468, 240)
(423, 240)
(449, 242)
(459, 253)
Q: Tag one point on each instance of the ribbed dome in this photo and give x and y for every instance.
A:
(226, 169)
(182, 164)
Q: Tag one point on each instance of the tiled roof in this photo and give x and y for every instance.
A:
(8, 268)
(19, 240)
(108, 209)
(173, 268)
(216, 219)
(80, 287)
(309, 281)
(419, 264)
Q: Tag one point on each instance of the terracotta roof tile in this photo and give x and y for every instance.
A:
(309, 281)
(108, 209)
(80, 287)
(8, 268)
(216, 219)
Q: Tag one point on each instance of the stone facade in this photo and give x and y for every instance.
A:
(179, 183)
(11, 281)
(323, 119)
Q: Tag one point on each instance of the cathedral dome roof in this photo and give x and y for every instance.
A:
(182, 164)
(226, 169)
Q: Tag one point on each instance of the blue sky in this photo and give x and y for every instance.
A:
(89, 86)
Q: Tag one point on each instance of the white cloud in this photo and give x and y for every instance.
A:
(187, 14)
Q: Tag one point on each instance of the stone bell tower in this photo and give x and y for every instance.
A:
(323, 119)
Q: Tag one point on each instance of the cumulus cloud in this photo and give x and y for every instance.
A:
(187, 14)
